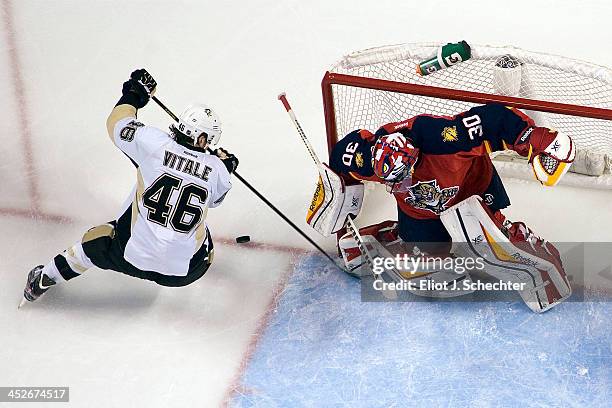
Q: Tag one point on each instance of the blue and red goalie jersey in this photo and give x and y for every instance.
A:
(453, 162)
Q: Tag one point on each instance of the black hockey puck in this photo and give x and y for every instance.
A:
(243, 239)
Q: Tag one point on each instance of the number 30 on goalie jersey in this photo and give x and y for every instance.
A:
(163, 222)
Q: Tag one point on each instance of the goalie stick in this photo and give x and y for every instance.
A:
(369, 259)
(283, 98)
(391, 274)
(258, 194)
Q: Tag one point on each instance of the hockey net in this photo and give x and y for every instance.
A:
(369, 88)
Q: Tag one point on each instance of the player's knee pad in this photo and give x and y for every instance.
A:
(96, 243)
(510, 252)
(77, 256)
(100, 231)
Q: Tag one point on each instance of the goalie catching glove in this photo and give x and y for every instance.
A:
(550, 153)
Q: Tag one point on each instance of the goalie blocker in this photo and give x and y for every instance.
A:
(333, 202)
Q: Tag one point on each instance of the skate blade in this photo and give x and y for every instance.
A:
(23, 302)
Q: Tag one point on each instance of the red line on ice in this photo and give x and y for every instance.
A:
(23, 120)
(34, 214)
(262, 324)
(23, 117)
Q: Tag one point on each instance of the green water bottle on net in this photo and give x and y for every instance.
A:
(448, 55)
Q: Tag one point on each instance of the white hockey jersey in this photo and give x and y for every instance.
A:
(163, 221)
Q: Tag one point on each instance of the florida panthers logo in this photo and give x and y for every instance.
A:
(428, 195)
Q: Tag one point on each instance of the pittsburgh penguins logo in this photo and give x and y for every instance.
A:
(128, 132)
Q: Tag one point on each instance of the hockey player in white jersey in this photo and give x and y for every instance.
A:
(160, 234)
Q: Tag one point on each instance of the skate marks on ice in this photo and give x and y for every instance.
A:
(324, 346)
(130, 342)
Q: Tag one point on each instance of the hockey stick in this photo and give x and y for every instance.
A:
(165, 108)
(283, 98)
(369, 259)
(349, 224)
(257, 193)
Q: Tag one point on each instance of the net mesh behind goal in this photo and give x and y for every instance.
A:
(492, 70)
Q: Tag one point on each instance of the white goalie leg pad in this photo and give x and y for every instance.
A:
(354, 260)
(475, 233)
(423, 277)
(349, 248)
(433, 279)
(332, 202)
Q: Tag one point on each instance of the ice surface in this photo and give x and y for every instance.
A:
(325, 345)
(117, 341)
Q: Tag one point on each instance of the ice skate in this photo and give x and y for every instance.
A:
(36, 285)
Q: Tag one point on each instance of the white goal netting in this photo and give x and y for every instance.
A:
(538, 76)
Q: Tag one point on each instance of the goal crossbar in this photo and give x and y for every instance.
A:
(331, 78)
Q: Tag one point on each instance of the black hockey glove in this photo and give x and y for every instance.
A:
(230, 161)
(138, 89)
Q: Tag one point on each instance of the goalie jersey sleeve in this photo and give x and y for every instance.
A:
(163, 224)
(480, 130)
(495, 127)
(351, 157)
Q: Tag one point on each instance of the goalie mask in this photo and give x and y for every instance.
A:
(200, 120)
(393, 160)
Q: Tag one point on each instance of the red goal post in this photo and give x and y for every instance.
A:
(369, 88)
